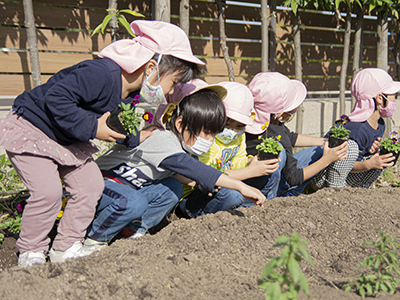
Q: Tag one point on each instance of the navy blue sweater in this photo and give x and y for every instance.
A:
(67, 106)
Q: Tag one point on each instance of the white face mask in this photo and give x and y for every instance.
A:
(200, 147)
(152, 94)
(229, 135)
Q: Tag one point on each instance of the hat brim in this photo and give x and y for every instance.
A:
(301, 93)
(219, 89)
(189, 58)
(393, 89)
(239, 117)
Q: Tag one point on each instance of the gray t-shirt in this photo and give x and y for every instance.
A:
(140, 166)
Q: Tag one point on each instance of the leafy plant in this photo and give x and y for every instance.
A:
(1, 238)
(282, 277)
(130, 118)
(270, 145)
(340, 131)
(382, 265)
(392, 143)
(12, 224)
(120, 18)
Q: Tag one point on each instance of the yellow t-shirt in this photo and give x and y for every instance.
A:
(235, 153)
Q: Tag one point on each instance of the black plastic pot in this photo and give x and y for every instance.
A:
(335, 141)
(396, 155)
(265, 155)
(114, 122)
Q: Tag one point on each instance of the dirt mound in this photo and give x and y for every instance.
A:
(221, 256)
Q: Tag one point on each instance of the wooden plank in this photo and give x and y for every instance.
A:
(12, 85)
(13, 62)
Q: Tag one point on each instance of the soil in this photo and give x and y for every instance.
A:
(221, 256)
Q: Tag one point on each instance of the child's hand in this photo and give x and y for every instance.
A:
(263, 167)
(104, 132)
(380, 162)
(252, 194)
(375, 146)
(337, 153)
(146, 132)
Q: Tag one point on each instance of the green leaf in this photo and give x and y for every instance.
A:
(122, 20)
(305, 254)
(294, 7)
(273, 292)
(303, 283)
(106, 20)
(268, 268)
(294, 268)
(96, 30)
(133, 13)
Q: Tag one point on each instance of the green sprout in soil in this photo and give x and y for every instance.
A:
(382, 265)
(1, 238)
(270, 145)
(282, 277)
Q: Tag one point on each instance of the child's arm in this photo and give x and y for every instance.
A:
(330, 155)
(256, 168)
(309, 141)
(377, 161)
(247, 191)
(208, 177)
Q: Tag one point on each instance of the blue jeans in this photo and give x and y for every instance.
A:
(269, 184)
(198, 203)
(120, 205)
(304, 158)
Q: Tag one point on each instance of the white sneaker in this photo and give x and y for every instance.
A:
(75, 251)
(137, 235)
(94, 245)
(29, 258)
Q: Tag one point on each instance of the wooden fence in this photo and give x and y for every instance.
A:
(64, 27)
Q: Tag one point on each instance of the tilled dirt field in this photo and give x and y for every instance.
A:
(221, 256)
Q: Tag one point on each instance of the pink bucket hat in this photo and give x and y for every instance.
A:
(151, 37)
(181, 90)
(366, 85)
(273, 93)
(238, 102)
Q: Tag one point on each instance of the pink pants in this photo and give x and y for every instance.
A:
(41, 176)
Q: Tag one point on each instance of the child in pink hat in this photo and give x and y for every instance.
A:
(276, 99)
(374, 91)
(47, 133)
(228, 153)
(140, 188)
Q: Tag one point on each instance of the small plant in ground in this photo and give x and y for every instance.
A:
(270, 145)
(392, 143)
(282, 277)
(12, 224)
(1, 238)
(382, 264)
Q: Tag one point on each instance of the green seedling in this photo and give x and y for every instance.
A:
(130, 118)
(382, 265)
(1, 238)
(282, 277)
